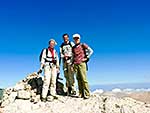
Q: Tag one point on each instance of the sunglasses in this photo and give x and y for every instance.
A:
(76, 38)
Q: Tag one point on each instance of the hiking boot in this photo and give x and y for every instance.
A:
(54, 96)
(50, 98)
(43, 99)
(69, 90)
(73, 92)
(80, 96)
(65, 94)
(86, 97)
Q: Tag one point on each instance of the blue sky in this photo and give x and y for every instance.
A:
(117, 30)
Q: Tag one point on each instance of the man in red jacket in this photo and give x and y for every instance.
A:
(81, 54)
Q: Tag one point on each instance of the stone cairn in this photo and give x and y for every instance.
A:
(22, 90)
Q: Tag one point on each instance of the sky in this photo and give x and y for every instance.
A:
(118, 31)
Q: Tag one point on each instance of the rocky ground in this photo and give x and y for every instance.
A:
(21, 98)
(97, 103)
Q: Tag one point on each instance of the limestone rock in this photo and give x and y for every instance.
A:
(22, 98)
(22, 90)
(23, 94)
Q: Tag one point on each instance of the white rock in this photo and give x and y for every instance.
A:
(19, 86)
(99, 102)
(23, 94)
(126, 109)
(9, 99)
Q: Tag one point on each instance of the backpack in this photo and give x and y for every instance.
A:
(84, 49)
(36, 83)
(40, 57)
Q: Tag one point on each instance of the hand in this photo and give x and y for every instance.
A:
(42, 66)
(85, 59)
(72, 68)
(58, 69)
(40, 71)
(66, 57)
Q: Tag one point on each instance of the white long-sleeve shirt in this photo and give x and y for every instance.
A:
(47, 59)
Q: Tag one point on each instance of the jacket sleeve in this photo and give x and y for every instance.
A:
(89, 52)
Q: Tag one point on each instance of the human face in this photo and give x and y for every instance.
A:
(51, 44)
(66, 38)
(76, 40)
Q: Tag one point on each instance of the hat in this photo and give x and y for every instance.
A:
(76, 35)
(53, 41)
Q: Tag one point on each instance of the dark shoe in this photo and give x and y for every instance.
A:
(69, 90)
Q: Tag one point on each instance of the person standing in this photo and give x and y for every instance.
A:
(81, 54)
(50, 64)
(66, 56)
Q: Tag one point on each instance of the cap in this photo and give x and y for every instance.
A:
(76, 35)
(53, 41)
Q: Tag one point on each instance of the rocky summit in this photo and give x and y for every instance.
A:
(23, 99)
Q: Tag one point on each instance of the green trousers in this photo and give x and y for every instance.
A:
(69, 75)
(83, 86)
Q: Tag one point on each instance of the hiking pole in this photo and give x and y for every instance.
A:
(58, 76)
(40, 71)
